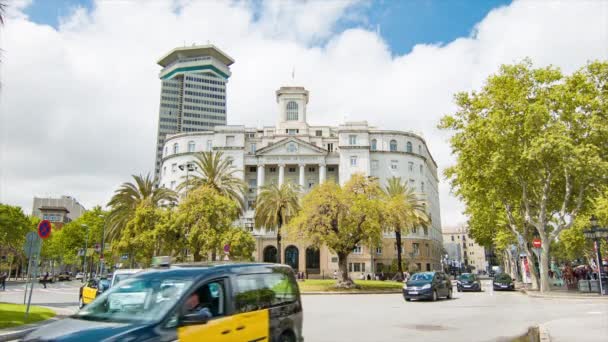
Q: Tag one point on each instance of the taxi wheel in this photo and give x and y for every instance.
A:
(80, 303)
(287, 337)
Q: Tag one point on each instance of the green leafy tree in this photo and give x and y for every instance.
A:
(204, 216)
(214, 170)
(129, 197)
(403, 210)
(531, 150)
(138, 238)
(275, 206)
(14, 225)
(341, 217)
(241, 243)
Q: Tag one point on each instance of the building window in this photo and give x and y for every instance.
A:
(164, 170)
(409, 147)
(253, 184)
(253, 147)
(419, 149)
(420, 168)
(330, 169)
(310, 184)
(253, 169)
(452, 237)
(428, 267)
(374, 164)
(166, 151)
(292, 111)
(416, 247)
(414, 230)
(209, 145)
(175, 148)
(330, 147)
(393, 145)
(353, 161)
(251, 205)
(394, 164)
(173, 167)
(357, 250)
(272, 169)
(292, 147)
(311, 169)
(318, 133)
(293, 131)
(379, 250)
(352, 140)
(250, 135)
(229, 140)
(374, 145)
(191, 146)
(359, 267)
(292, 169)
(410, 166)
(422, 186)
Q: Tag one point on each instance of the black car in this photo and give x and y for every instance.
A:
(503, 281)
(468, 282)
(428, 285)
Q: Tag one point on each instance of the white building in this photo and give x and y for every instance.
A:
(295, 151)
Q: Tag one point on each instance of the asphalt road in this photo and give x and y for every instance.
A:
(485, 316)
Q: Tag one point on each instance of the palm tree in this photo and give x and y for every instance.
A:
(275, 206)
(405, 209)
(129, 195)
(2, 9)
(212, 169)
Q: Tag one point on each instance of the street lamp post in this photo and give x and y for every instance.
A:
(188, 167)
(86, 243)
(596, 234)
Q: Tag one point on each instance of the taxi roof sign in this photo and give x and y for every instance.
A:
(161, 261)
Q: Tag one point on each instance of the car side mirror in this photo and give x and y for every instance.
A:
(199, 317)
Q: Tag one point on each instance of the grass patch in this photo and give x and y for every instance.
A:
(318, 285)
(12, 315)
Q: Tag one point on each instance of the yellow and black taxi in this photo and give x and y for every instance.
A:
(236, 302)
(93, 288)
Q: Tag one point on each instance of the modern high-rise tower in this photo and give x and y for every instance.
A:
(193, 93)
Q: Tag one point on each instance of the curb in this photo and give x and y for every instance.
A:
(550, 296)
(348, 293)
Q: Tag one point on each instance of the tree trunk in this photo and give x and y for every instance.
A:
(213, 255)
(399, 258)
(545, 286)
(279, 225)
(197, 255)
(10, 267)
(343, 278)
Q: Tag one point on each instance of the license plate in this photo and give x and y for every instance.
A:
(413, 292)
(467, 285)
(504, 286)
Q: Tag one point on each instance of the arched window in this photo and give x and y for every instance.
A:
(393, 146)
(191, 146)
(175, 148)
(409, 147)
(292, 111)
(166, 150)
(374, 144)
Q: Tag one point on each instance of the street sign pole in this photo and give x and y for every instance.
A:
(27, 277)
(29, 301)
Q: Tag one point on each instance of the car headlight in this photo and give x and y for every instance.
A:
(427, 286)
(405, 286)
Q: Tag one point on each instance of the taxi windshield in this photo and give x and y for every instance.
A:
(467, 277)
(422, 277)
(136, 300)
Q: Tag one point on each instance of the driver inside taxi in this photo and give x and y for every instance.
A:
(193, 305)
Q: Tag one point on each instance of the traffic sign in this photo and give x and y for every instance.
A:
(32, 245)
(536, 243)
(44, 229)
(226, 248)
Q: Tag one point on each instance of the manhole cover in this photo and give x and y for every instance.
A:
(425, 327)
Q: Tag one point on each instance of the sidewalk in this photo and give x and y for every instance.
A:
(594, 326)
(564, 294)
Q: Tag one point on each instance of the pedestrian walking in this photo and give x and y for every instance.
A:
(3, 281)
(45, 279)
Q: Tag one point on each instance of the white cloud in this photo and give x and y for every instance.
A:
(79, 105)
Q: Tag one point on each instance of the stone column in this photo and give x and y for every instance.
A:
(322, 173)
(281, 174)
(302, 169)
(261, 176)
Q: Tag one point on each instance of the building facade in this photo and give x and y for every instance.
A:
(295, 151)
(463, 251)
(193, 92)
(57, 210)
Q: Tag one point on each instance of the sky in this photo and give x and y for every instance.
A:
(80, 89)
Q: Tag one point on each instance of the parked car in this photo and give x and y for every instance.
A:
(92, 289)
(64, 277)
(428, 285)
(468, 282)
(120, 275)
(79, 276)
(503, 281)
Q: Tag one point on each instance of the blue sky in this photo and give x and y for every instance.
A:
(402, 24)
